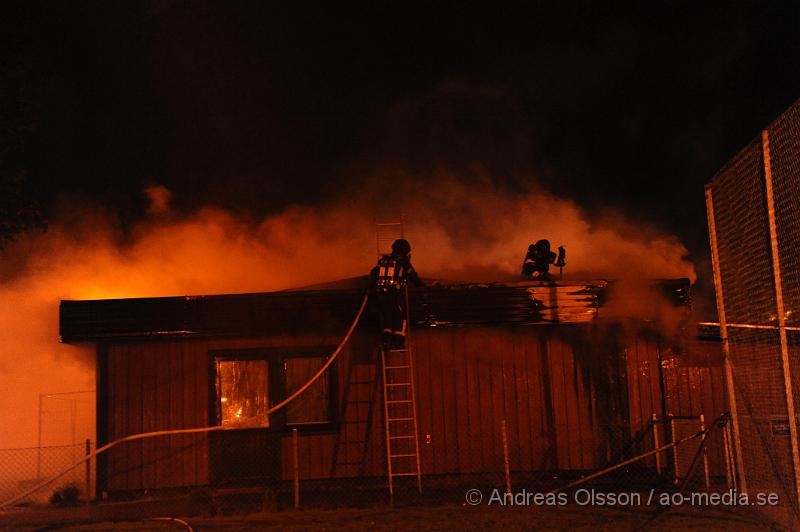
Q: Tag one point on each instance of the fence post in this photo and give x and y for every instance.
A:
(727, 451)
(505, 456)
(654, 422)
(705, 450)
(729, 469)
(672, 439)
(735, 433)
(296, 469)
(39, 445)
(88, 471)
(776, 273)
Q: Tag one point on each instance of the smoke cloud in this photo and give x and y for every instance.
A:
(458, 232)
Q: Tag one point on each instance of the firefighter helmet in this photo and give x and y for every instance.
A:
(401, 247)
(543, 246)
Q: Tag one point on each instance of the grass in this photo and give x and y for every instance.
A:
(451, 518)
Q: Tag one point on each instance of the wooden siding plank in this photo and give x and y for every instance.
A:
(425, 405)
(352, 374)
(451, 339)
(550, 459)
(634, 385)
(523, 411)
(433, 390)
(134, 419)
(510, 403)
(493, 359)
(352, 416)
(438, 391)
(558, 386)
(148, 415)
(536, 390)
(686, 392)
(480, 343)
(647, 369)
(655, 379)
(377, 437)
(162, 448)
(450, 402)
(176, 412)
(573, 406)
(201, 418)
(671, 382)
(116, 409)
(586, 442)
(325, 442)
(495, 401)
(466, 453)
(313, 458)
(187, 419)
(470, 446)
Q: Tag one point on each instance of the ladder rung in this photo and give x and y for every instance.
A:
(402, 455)
(398, 384)
(400, 418)
(400, 437)
(399, 401)
(397, 367)
(397, 350)
(405, 474)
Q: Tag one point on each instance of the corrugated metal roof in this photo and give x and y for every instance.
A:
(330, 311)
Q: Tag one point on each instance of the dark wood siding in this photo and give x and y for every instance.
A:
(553, 385)
(692, 384)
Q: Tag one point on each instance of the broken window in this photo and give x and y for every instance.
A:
(313, 406)
(243, 393)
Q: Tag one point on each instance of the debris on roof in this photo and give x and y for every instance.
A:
(326, 311)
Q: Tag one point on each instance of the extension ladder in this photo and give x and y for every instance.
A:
(385, 234)
(400, 416)
(399, 403)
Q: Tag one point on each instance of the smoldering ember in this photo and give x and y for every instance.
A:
(399, 267)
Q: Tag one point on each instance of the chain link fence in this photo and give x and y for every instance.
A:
(667, 461)
(23, 469)
(754, 220)
(66, 418)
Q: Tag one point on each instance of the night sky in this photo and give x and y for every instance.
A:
(253, 106)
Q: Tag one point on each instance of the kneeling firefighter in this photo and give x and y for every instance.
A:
(539, 258)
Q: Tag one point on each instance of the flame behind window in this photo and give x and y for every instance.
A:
(243, 392)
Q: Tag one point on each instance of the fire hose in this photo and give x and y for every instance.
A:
(143, 435)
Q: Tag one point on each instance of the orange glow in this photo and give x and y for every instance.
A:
(457, 232)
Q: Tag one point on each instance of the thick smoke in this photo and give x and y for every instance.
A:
(458, 232)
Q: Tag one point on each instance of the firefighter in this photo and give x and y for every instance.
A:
(539, 258)
(389, 278)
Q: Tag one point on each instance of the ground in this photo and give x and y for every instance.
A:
(445, 518)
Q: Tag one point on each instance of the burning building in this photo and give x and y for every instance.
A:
(573, 390)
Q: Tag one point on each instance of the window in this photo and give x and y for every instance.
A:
(250, 381)
(243, 393)
(313, 405)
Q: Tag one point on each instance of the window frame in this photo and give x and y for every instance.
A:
(276, 381)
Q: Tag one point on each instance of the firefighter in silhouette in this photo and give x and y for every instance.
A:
(539, 258)
(389, 278)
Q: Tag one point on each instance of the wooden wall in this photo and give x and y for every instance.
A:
(564, 395)
(152, 386)
(692, 381)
